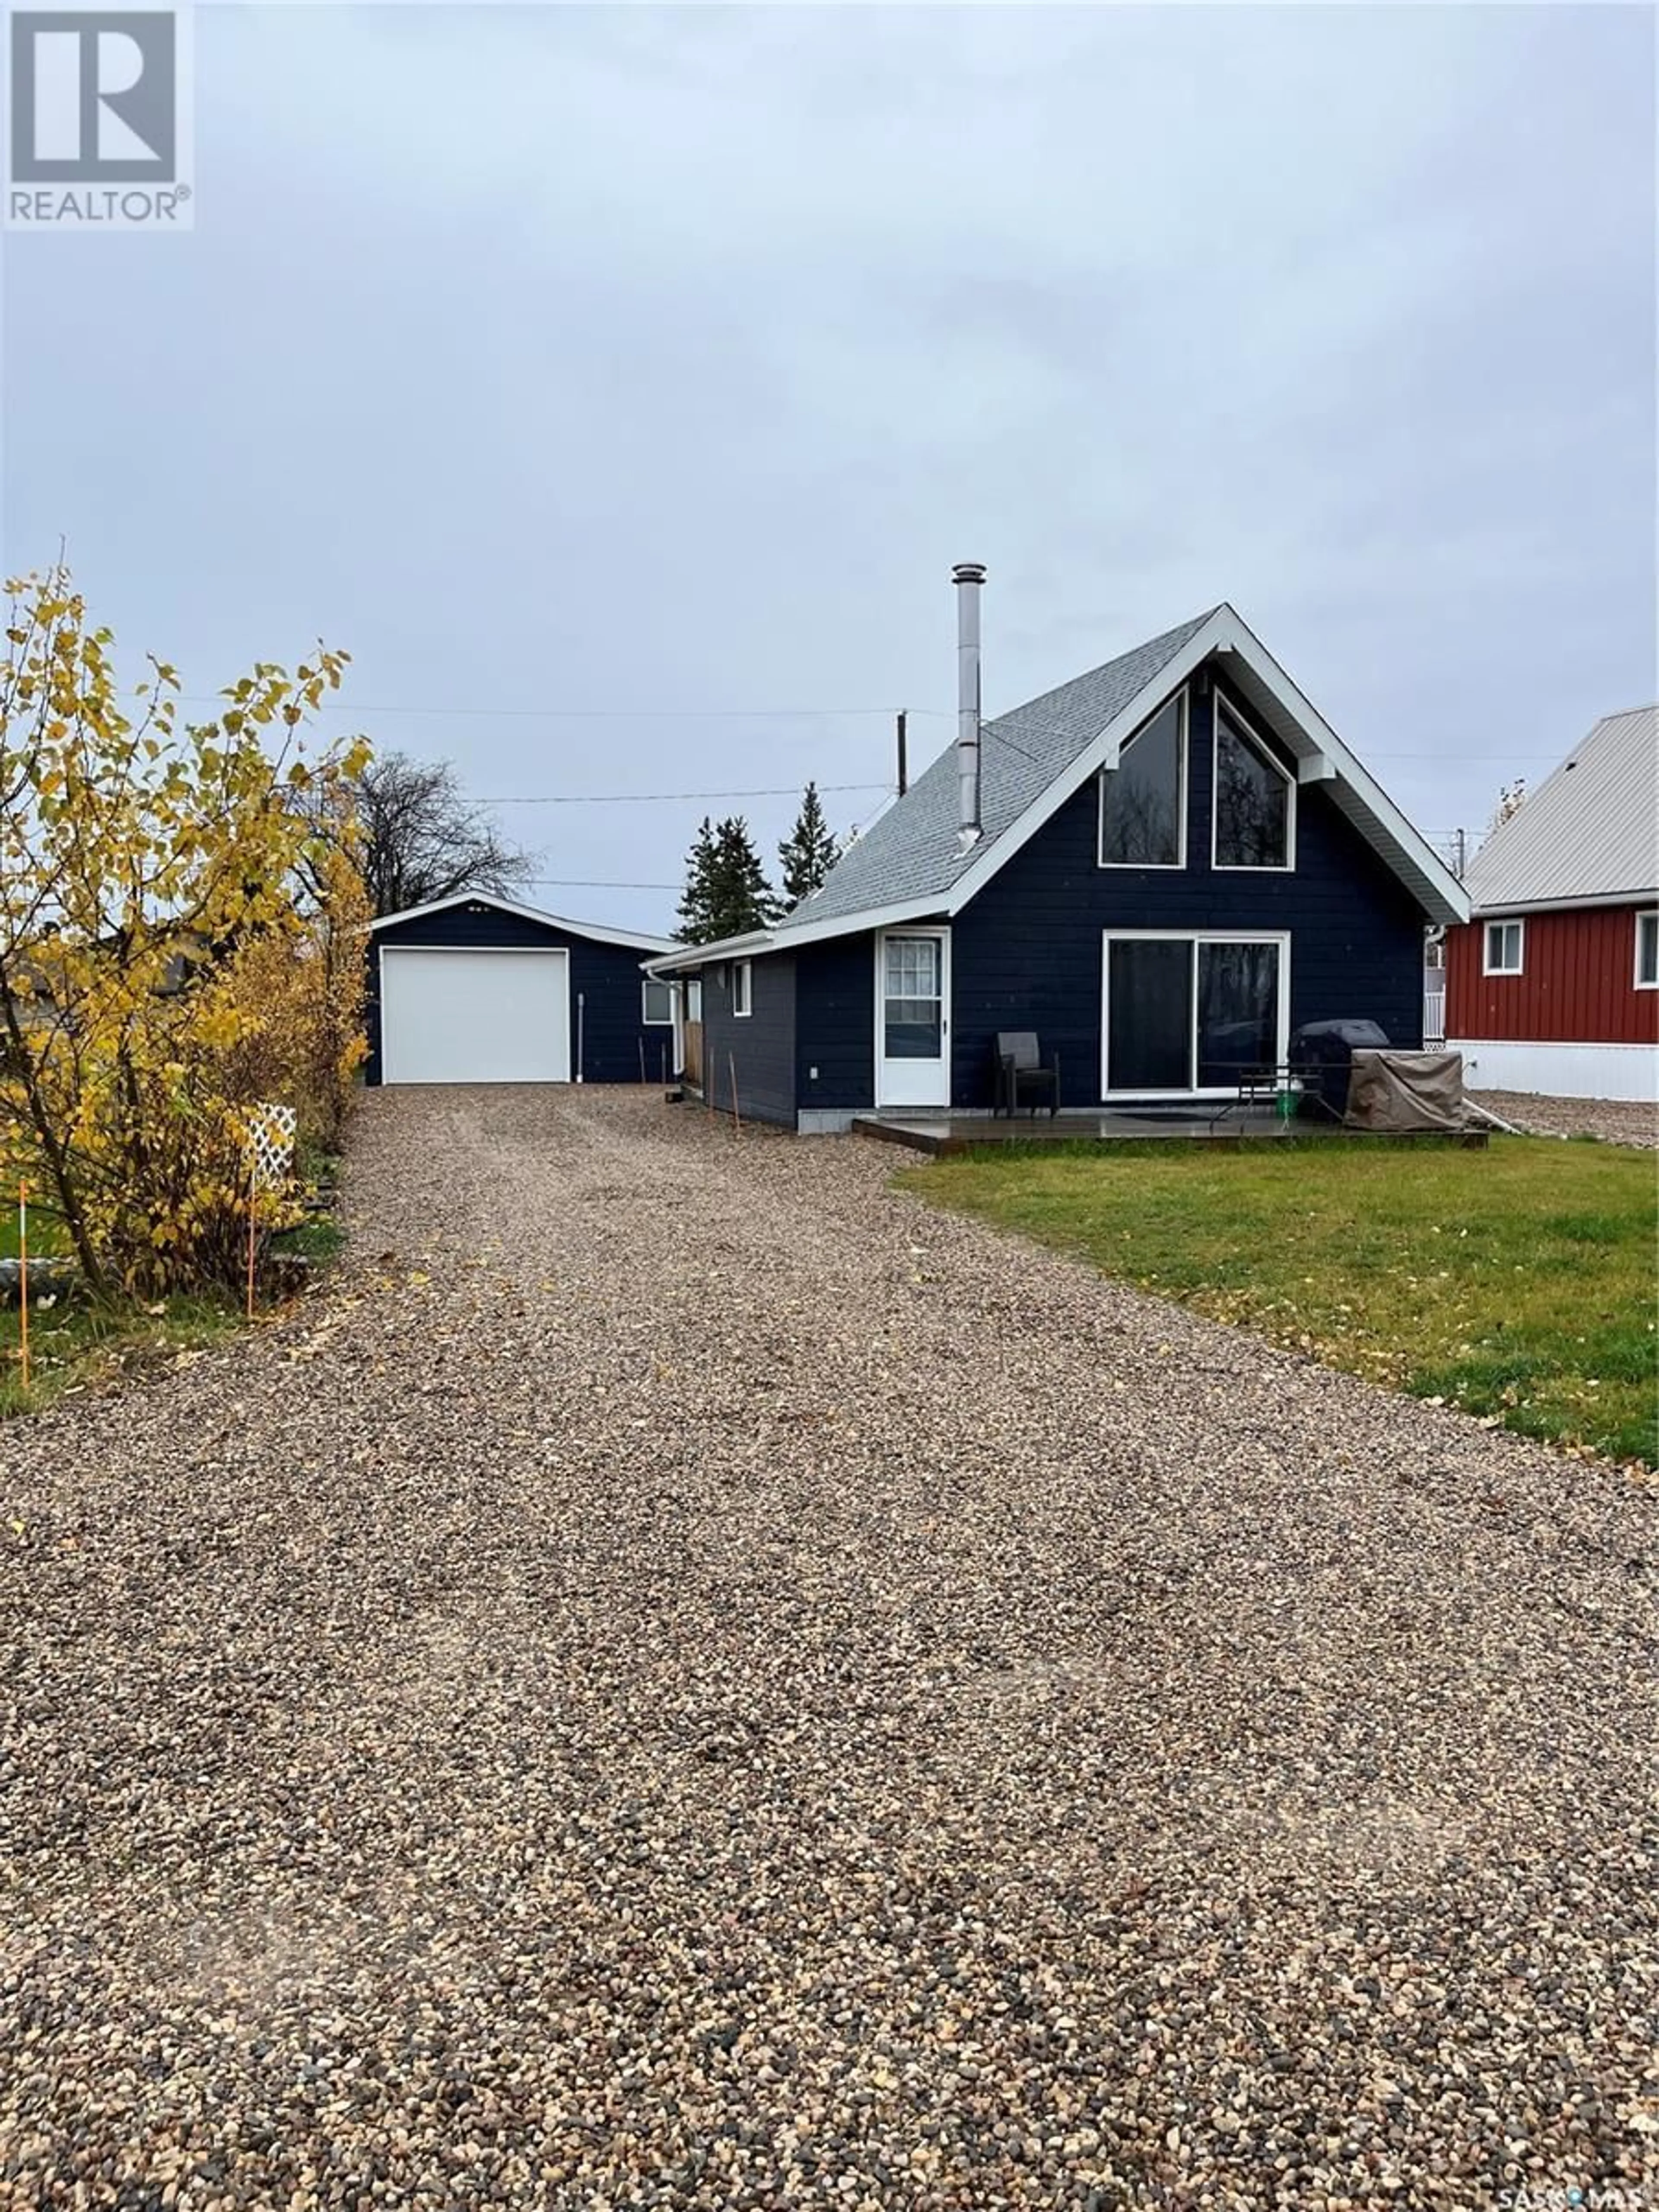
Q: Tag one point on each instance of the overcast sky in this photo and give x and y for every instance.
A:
(650, 365)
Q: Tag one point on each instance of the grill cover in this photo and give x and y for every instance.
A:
(1400, 1093)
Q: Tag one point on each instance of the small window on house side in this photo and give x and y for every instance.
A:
(1143, 801)
(1647, 951)
(659, 1007)
(1253, 800)
(743, 988)
(1505, 942)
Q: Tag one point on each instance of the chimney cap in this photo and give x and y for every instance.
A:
(968, 571)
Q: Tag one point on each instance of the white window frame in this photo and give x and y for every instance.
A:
(1647, 924)
(743, 989)
(1259, 745)
(1184, 755)
(648, 1019)
(1193, 938)
(1517, 923)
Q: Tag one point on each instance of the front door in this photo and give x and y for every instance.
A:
(913, 1018)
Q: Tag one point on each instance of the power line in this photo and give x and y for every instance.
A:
(645, 798)
(597, 883)
(594, 713)
(776, 714)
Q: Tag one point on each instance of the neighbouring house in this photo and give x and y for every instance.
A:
(479, 989)
(1553, 986)
(1162, 868)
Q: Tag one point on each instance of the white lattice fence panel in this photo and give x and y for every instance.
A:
(271, 1144)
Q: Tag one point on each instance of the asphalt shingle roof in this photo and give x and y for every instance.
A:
(914, 852)
(1590, 830)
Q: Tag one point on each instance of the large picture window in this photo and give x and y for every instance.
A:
(1143, 801)
(1254, 799)
(1193, 1014)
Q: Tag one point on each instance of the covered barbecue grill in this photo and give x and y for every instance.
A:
(1323, 1054)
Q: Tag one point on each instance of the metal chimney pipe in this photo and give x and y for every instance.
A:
(968, 576)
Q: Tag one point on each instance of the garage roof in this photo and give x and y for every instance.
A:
(633, 938)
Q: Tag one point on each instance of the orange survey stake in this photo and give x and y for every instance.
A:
(23, 1280)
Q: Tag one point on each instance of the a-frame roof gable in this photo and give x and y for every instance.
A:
(913, 864)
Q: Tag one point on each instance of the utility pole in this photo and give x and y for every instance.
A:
(1463, 853)
(904, 757)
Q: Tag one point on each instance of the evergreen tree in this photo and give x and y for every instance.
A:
(696, 906)
(809, 852)
(745, 899)
(726, 892)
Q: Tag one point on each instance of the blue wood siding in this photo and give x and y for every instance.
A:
(808, 1043)
(835, 1024)
(760, 1045)
(606, 977)
(1027, 952)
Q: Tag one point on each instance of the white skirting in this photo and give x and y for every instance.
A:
(1559, 1071)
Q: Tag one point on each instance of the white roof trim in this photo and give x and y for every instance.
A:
(635, 940)
(1407, 842)
(1492, 910)
(934, 907)
(675, 958)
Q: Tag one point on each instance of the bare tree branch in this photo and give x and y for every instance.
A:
(420, 840)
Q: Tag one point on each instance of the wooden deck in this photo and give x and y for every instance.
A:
(943, 1135)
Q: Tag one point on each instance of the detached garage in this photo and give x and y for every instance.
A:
(477, 989)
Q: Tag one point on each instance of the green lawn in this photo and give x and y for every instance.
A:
(44, 1235)
(75, 1344)
(1516, 1282)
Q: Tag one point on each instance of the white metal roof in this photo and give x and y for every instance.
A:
(1589, 834)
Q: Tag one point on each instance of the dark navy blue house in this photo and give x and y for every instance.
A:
(478, 989)
(1162, 868)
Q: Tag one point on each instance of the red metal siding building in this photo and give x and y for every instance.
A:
(1577, 985)
(1554, 986)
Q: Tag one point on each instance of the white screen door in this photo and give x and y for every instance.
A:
(913, 1018)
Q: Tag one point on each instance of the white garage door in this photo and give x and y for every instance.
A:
(474, 1017)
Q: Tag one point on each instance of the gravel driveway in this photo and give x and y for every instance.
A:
(1614, 1120)
(718, 1687)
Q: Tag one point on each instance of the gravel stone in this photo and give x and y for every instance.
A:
(685, 1677)
(1616, 1120)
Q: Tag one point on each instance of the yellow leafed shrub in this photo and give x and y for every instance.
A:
(181, 940)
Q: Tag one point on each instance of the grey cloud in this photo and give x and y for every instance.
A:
(630, 357)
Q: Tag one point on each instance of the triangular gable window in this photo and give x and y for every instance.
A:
(1254, 799)
(1143, 801)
